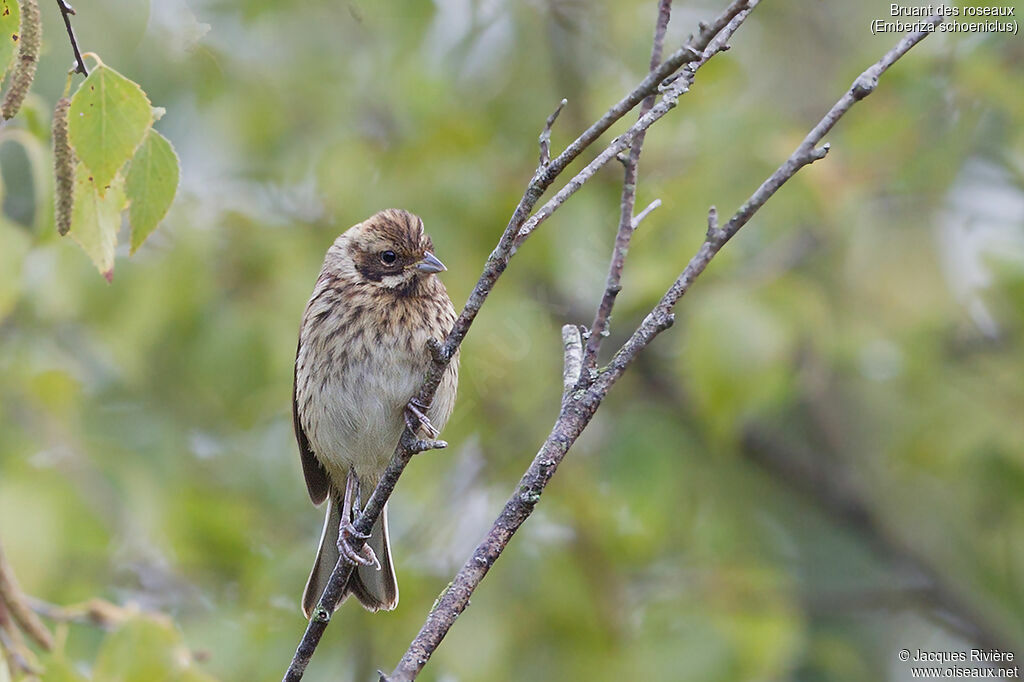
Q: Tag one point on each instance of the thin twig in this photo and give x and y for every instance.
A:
(577, 412)
(443, 353)
(806, 153)
(671, 92)
(14, 600)
(67, 11)
(639, 217)
(335, 587)
(572, 342)
(545, 135)
(613, 285)
(14, 652)
(96, 612)
(545, 176)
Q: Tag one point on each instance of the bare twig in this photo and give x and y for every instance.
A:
(692, 51)
(545, 135)
(599, 327)
(96, 612)
(808, 152)
(334, 590)
(670, 94)
(639, 217)
(14, 600)
(579, 409)
(545, 176)
(13, 649)
(574, 416)
(67, 11)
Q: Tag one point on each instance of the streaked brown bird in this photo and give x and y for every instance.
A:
(361, 358)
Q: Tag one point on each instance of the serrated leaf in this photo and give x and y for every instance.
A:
(96, 218)
(151, 183)
(109, 119)
(10, 16)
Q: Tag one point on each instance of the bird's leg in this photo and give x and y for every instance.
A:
(347, 531)
(416, 418)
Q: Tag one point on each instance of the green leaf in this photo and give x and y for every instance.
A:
(10, 16)
(151, 184)
(96, 218)
(109, 118)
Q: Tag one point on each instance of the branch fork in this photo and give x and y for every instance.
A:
(584, 387)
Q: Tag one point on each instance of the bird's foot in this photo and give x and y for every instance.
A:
(362, 557)
(416, 418)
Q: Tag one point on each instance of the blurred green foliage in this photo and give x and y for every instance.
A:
(870, 314)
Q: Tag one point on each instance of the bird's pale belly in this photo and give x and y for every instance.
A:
(360, 415)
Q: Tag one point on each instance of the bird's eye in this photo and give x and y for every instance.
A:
(388, 257)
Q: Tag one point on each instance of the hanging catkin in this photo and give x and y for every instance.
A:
(29, 40)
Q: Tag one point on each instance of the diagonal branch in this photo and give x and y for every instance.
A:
(577, 411)
(13, 599)
(334, 590)
(545, 135)
(546, 174)
(807, 153)
(678, 85)
(497, 262)
(66, 11)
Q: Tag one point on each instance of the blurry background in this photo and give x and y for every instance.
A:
(820, 464)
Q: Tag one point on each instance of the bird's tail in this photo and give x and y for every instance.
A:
(376, 589)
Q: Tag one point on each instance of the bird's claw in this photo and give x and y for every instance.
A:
(365, 555)
(416, 419)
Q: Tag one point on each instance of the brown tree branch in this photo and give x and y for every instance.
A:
(332, 593)
(14, 653)
(545, 135)
(545, 175)
(16, 619)
(95, 612)
(807, 153)
(671, 90)
(582, 403)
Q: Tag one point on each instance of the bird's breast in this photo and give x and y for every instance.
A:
(358, 368)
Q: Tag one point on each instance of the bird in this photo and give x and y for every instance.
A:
(361, 358)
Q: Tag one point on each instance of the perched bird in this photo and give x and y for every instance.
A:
(361, 358)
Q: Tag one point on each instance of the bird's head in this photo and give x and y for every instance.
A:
(390, 250)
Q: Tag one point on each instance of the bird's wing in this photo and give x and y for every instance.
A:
(317, 481)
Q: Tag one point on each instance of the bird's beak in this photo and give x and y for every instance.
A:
(430, 263)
